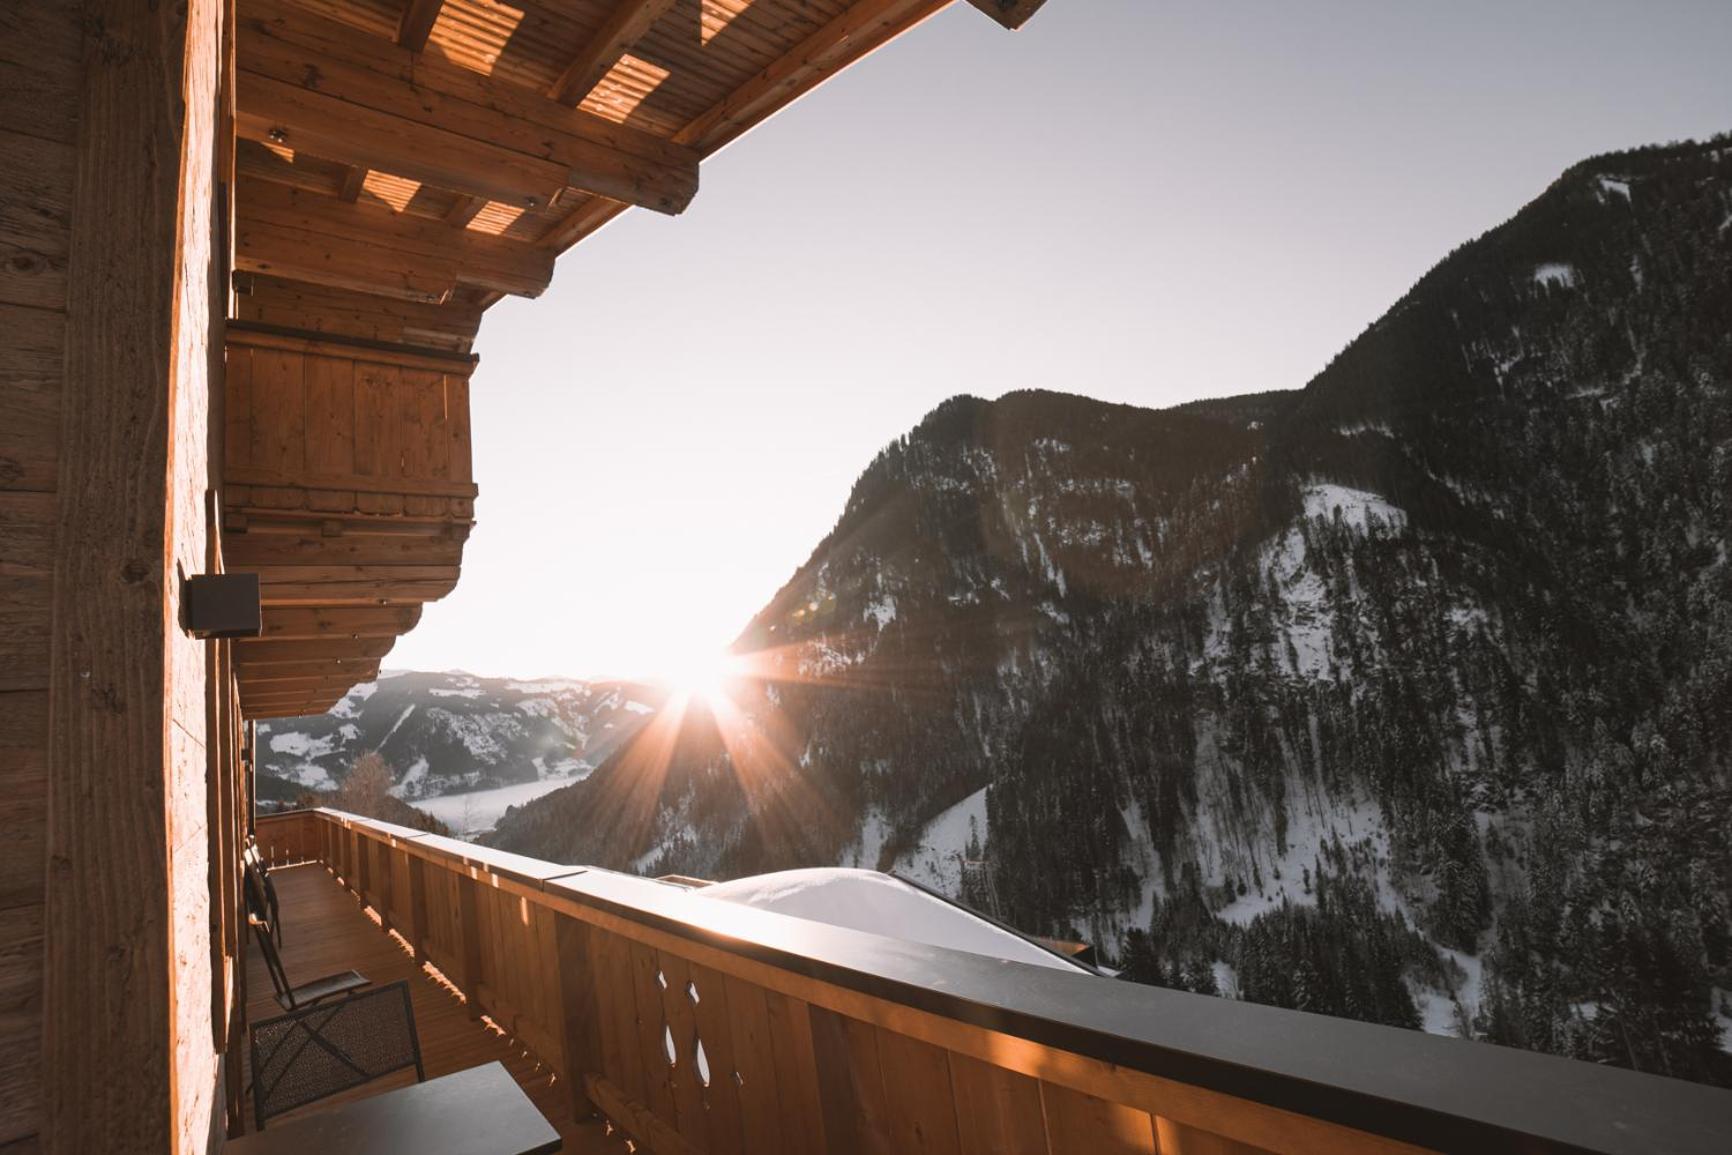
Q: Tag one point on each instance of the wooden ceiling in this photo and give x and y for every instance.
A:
(401, 165)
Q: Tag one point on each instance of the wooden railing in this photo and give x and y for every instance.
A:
(709, 1027)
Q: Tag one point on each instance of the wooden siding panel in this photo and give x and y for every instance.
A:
(721, 1097)
(330, 383)
(35, 219)
(23, 799)
(39, 57)
(237, 410)
(31, 375)
(920, 1103)
(851, 1085)
(998, 1111)
(279, 411)
(26, 588)
(754, 1058)
(1076, 1121)
(20, 1021)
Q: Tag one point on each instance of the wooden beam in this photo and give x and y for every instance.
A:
(346, 313)
(283, 623)
(429, 103)
(583, 221)
(308, 120)
(416, 23)
(465, 210)
(860, 29)
(408, 358)
(353, 181)
(355, 585)
(625, 26)
(475, 258)
(317, 259)
(250, 653)
(313, 674)
(246, 550)
(1012, 14)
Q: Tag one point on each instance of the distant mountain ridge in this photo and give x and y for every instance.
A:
(1406, 696)
(453, 733)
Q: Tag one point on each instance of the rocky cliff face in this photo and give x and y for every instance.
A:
(1406, 696)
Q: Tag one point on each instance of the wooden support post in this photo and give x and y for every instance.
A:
(126, 1064)
(386, 897)
(469, 942)
(418, 908)
(581, 1012)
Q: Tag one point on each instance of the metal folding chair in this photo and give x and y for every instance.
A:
(321, 1050)
(262, 905)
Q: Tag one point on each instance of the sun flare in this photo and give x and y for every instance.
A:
(703, 676)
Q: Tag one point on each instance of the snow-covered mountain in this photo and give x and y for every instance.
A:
(460, 747)
(1405, 696)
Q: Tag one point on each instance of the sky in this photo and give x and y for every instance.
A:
(1146, 202)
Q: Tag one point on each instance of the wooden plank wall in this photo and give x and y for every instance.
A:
(39, 80)
(349, 488)
(106, 318)
(698, 1050)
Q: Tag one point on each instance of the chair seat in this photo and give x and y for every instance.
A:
(308, 993)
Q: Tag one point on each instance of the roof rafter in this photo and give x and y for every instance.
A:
(1012, 14)
(397, 240)
(626, 26)
(416, 23)
(317, 85)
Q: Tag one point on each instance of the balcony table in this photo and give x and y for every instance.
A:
(480, 1111)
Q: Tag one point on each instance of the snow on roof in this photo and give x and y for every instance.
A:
(881, 904)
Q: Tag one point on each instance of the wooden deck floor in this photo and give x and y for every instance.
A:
(326, 930)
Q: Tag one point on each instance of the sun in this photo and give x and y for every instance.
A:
(703, 675)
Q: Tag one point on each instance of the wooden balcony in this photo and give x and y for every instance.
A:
(705, 1027)
(327, 930)
(349, 492)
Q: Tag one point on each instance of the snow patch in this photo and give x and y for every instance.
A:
(311, 775)
(1357, 506)
(410, 784)
(874, 832)
(936, 858)
(879, 904)
(639, 708)
(1555, 274)
(401, 718)
(882, 610)
(478, 811)
(349, 705)
(466, 692)
(299, 745)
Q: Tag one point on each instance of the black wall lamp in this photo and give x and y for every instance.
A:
(222, 605)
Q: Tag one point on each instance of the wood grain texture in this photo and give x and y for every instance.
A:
(430, 99)
(627, 23)
(121, 737)
(35, 220)
(998, 1111)
(417, 22)
(1078, 1121)
(32, 370)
